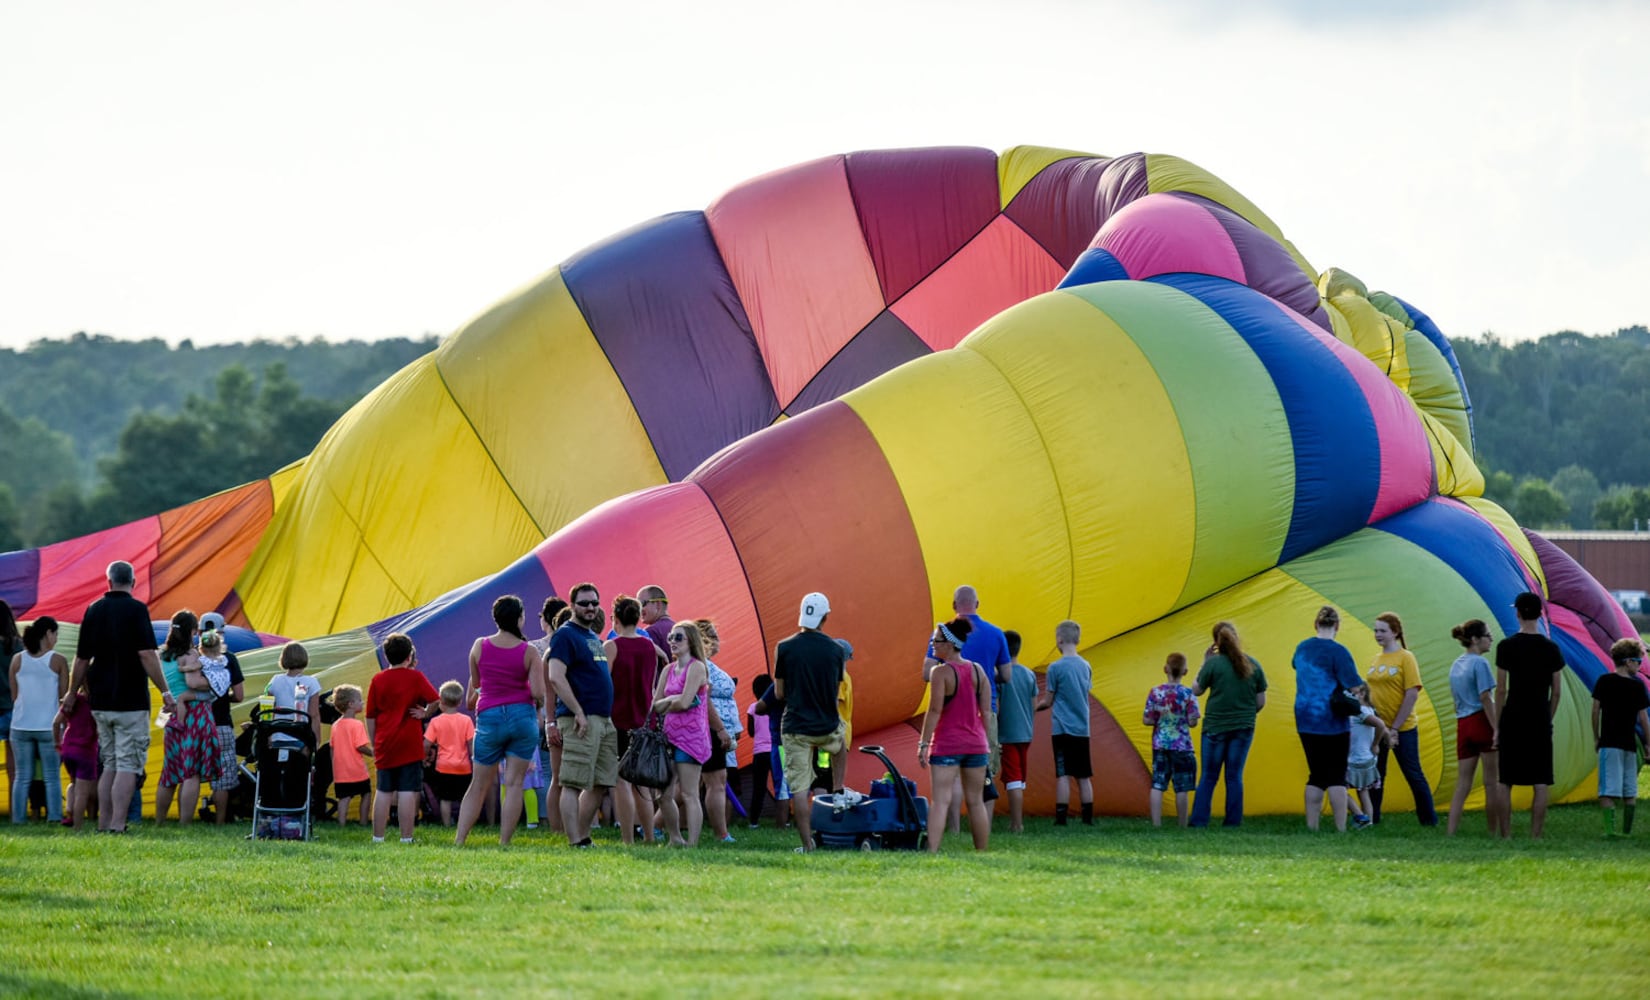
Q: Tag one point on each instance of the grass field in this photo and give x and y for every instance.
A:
(1116, 910)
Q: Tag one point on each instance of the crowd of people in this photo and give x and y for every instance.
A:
(567, 707)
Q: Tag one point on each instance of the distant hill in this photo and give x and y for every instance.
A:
(89, 386)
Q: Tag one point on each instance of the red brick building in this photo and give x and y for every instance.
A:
(1620, 560)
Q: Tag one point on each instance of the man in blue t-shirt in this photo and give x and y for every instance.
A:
(583, 684)
(986, 646)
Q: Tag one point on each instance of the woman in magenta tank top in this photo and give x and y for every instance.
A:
(507, 693)
(683, 698)
(953, 735)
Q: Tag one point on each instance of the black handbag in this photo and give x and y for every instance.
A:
(647, 761)
(1343, 705)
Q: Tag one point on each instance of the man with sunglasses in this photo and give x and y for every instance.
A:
(656, 623)
(580, 675)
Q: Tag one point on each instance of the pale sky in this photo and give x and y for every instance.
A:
(363, 170)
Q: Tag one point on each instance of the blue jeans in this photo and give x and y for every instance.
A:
(1228, 752)
(27, 747)
(1409, 761)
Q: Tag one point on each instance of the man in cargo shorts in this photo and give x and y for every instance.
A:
(115, 655)
(583, 685)
(807, 676)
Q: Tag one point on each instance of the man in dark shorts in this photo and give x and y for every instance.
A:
(229, 766)
(583, 685)
(1529, 683)
(807, 675)
(115, 654)
(1069, 680)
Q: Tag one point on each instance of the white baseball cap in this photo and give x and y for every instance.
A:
(212, 620)
(814, 609)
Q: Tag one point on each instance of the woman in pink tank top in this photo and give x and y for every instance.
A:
(683, 698)
(953, 735)
(507, 694)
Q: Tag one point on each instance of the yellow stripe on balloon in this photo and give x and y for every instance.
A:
(539, 391)
(377, 486)
(1120, 458)
(969, 461)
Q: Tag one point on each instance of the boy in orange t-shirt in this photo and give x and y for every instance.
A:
(450, 740)
(351, 753)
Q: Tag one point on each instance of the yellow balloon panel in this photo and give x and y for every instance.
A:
(966, 455)
(403, 476)
(1123, 474)
(523, 373)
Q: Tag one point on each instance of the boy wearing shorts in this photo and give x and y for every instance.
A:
(398, 700)
(1069, 680)
(1171, 711)
(351, 753)
(450, 740)
(1619, 707)
(1016, 706)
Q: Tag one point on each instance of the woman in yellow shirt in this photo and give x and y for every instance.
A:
(1394, 687)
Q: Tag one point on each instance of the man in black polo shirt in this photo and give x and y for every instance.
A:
(116, 651)
(806, 675)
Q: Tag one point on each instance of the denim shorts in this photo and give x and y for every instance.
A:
(682, 756)
(958, 759)
(1618, 774)
(506, 729)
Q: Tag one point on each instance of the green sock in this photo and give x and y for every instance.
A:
(1609, 820)
(1627, 819)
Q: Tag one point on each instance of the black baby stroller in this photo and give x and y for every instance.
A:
(892, 816)
(284, 749)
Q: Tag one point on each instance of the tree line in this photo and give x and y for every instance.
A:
(96, 432)
(1562, 426)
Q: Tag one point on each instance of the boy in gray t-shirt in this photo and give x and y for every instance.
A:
(1069, 680)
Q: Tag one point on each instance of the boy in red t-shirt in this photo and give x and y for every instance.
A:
(398, 700)
(449, 741)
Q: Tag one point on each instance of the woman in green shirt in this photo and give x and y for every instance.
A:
(1237, 692)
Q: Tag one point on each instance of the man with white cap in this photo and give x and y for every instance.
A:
(807, 674)
(229, 766)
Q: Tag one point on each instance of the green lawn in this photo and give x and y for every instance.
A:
(1120, 909)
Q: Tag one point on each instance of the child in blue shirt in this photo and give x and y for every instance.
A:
(1171, 711)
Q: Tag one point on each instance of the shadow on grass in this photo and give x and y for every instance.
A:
(14, 984)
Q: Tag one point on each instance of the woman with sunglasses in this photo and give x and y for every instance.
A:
(953, 734)
(682, 696)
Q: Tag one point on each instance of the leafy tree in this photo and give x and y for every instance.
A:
(1622, 508)
(1538, 505)
(11, 528)
(1581, 490)
(1500, 487)
(63, 514)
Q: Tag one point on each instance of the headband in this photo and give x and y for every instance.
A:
(949, 636)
